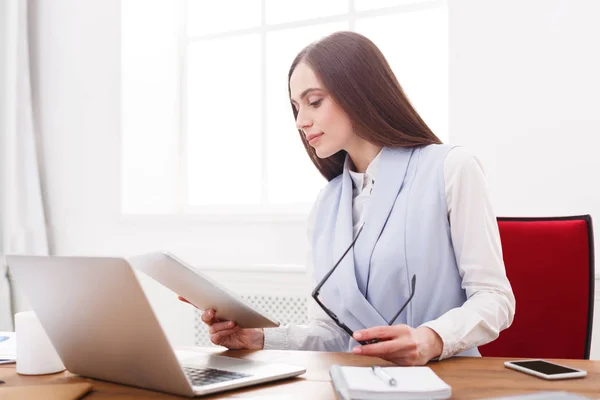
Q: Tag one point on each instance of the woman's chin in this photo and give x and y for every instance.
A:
(323, 152)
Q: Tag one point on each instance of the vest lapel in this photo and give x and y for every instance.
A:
(391, 173)
(343, 236)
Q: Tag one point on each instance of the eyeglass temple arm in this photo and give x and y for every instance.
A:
(412, 293)
(334, 317)
(318, 288)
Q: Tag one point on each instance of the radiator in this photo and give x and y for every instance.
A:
(285, 309)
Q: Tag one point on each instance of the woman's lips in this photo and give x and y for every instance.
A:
(313, 137)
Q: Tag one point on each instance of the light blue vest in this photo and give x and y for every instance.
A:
(406, 233)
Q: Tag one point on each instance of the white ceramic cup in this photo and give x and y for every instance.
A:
(35, 353)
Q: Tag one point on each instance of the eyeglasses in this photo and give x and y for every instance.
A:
(315, 295)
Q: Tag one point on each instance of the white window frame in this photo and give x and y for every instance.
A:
(263, 212)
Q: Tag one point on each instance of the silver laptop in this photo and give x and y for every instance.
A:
(102, 326)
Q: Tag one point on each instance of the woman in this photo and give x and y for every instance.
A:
(419, 211)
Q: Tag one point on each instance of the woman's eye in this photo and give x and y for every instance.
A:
(315, 103)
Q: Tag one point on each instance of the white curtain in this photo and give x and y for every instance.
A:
(22, 221)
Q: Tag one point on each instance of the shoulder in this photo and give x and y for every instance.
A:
(328, 192)
(461, 162)
(330, 188)
(463, 178)
(433, 155)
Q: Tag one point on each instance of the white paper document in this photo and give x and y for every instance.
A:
(8, 347)
(411, 382)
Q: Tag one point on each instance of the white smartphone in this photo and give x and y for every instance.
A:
(545, 369)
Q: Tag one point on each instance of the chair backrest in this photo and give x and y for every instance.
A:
(550, 265)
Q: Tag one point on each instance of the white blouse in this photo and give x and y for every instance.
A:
(490, 305)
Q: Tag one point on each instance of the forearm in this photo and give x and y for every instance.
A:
(477, 322)
(317, 335)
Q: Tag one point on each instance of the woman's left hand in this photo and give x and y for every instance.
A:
(400, 344)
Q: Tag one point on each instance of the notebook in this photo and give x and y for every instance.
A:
(353, 383)
(8, 347)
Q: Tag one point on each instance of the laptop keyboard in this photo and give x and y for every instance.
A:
(206, 376)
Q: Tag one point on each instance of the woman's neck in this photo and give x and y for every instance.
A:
(362, 155)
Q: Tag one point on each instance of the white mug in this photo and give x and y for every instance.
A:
(35, 353)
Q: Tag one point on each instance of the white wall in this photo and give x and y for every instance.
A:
(523, 96)
(3, 58)
(78, 100)
(76, 72)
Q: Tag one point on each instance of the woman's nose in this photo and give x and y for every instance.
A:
(302, 122)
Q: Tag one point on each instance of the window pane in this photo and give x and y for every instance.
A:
(287, 11)
(362, 5)
(292, 176)
(224, 124)
(149, 84)
(210, 16)
(416, 46)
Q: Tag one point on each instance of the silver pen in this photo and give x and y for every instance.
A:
(380, 373)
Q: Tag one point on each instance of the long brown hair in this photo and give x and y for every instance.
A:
(360, 80)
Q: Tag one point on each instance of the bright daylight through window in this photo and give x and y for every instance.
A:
(206, 119)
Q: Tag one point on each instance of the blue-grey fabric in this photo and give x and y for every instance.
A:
(406, 233)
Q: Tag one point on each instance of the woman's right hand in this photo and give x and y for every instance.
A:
(228, 334)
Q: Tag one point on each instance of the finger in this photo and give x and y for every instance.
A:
(219, 326)
(187, 301)
(207, 317)
(398, 347)
(220, 336)
(382, 332)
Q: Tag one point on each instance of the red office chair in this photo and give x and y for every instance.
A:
(550, 265)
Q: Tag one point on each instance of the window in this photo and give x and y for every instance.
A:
(206, 121)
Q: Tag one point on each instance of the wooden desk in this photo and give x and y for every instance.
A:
(470, 378)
